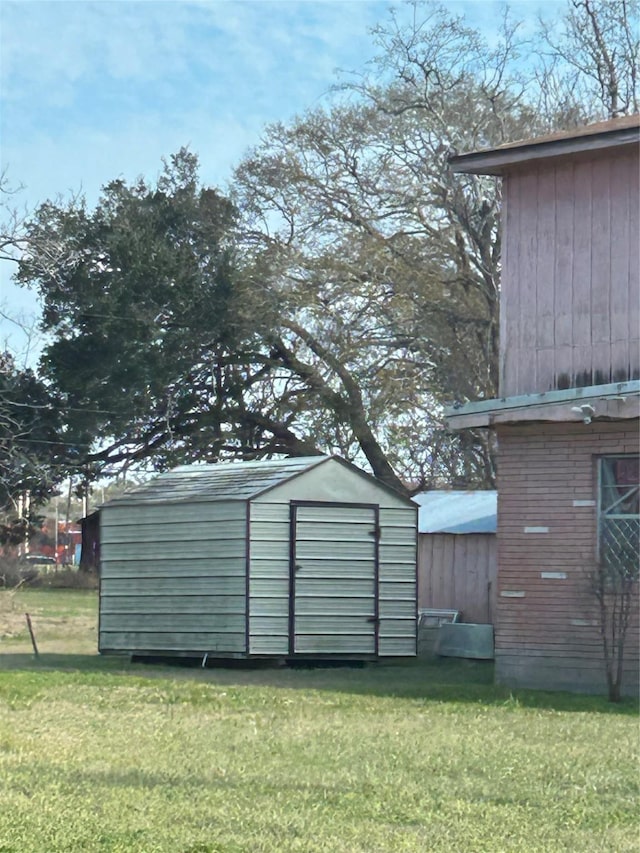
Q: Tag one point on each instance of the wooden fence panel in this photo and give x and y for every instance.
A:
(458, 572)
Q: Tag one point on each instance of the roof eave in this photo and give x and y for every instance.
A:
(615, 401)
(496, 161)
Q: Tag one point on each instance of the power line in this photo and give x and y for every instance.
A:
(51, 408)
(46, 441)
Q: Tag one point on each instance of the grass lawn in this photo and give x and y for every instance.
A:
(100, 755)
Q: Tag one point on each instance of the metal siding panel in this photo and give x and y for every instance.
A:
(208, 531)
(267, 568)
(334, 482)
(318, 606)
(269, 531)
(398, 627)
(270, 644)
(160, 514)
(273, 512)
(397, 609)
(335, 644)
(275, 550)
(317, 575)
(392, 552)
(269, 626)
(269, 577)
(171, 568)
(269, 588)
(399, 536)
(173, 586)
(349, 569)
(397, 646)
(348, 586)
(198, 642)
(173, 623)
(349, 551)
(398, 590)
(176, 579)
(398, 569)
(334, 518)
(397, 517)
(196, 548)
(349, 564)
(397, 572)
(204, 605)
(266, 606)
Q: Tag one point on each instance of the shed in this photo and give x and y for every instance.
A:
(457, 552)
(292, 558)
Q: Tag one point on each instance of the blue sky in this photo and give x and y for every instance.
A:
(94, 90)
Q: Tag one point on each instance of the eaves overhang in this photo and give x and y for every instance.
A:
(592, 139)
(615, 401)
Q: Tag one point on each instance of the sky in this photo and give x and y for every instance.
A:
(91, 91)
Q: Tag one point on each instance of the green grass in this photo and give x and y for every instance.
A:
(63, 619)
(99, 755)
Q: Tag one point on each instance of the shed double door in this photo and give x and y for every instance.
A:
(333, 602)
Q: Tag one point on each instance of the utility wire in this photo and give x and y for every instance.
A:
(45, 441)
(51, 408)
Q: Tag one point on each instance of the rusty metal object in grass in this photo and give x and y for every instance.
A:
(32, 635)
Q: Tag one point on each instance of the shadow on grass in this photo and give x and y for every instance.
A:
(439, 680)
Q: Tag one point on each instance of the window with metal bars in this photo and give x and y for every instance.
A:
(619, 515)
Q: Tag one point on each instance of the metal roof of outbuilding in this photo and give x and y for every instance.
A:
(218, 482)
(444, 511)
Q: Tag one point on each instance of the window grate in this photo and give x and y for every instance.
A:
(619, 527)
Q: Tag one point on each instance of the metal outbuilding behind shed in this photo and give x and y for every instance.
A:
(457, 552)
(307, 556)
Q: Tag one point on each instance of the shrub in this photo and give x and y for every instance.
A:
(69, 578)
(15, 572)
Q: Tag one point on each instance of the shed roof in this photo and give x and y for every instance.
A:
(218, 482)
(445, 511)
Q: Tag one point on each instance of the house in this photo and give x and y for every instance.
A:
(457, 552)
(567, 419)
(305, 557)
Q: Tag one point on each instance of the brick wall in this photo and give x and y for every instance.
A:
(546, 633)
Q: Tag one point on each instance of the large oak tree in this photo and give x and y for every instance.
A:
(347, 289)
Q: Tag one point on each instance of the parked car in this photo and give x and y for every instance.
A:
(39, 560)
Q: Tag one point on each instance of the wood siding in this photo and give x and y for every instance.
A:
(546, 633)
(458, 572)
(570, 312)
